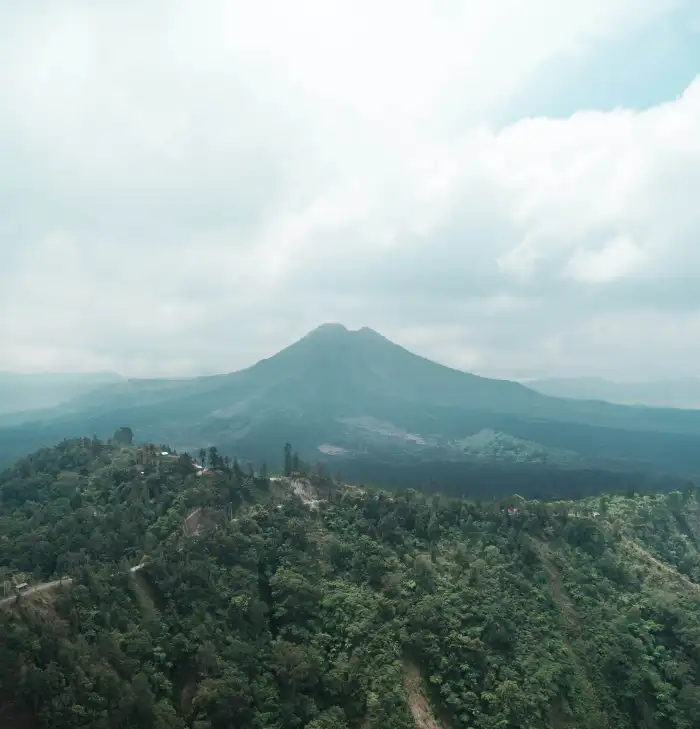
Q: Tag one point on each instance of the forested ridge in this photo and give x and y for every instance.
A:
(304, 603)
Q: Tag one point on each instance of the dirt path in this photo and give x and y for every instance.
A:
(44, 586)
(417, 700)
(305, 491)
(556, 585)
(192, 524)
(661, 566)
(37, 588)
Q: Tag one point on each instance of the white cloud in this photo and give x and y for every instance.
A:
(618, 258)
(190, 186)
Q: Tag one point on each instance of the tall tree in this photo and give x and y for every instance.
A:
(214, 457)
(123, 435)
(184, 463)
(287, 459)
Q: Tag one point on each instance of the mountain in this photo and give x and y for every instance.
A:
(161, 597)
(368, 406)
(680, 393)
(21, 391)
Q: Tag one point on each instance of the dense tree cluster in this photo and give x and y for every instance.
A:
(269, 614)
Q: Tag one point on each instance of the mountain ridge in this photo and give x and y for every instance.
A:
(682, 393)
(325, 388)
(329, 345)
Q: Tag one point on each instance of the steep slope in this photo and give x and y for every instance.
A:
(366, 610)
(355, 392)
(329, 365)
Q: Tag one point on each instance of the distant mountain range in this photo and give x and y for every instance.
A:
(369, 407)
(680, 393)
(26, 391)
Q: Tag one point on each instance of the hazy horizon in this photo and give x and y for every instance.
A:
(503, 188)
(571, 379)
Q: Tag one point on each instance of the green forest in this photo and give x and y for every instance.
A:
(214, 598)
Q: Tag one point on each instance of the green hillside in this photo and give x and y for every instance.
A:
(306, 603)
(360, 402)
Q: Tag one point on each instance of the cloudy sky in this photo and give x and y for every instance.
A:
(508, 187)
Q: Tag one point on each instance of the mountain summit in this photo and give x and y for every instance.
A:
(357, 369)
(357, 394)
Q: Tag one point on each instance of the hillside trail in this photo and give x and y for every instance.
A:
(191, 524)
(191, 527)
(45, 586)
(417, 699)
(667, 569)
(42, 587)
(572, 637)
(556, 585)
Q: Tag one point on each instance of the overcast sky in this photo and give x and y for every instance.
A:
(510, 187)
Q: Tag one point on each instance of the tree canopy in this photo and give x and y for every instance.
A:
(306, 603)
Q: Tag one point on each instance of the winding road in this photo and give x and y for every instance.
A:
(37, 588)
(44, 586)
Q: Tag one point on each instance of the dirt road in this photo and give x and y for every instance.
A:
(42, 587)
(37, 588)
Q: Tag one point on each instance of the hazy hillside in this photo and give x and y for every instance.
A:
(354, 397)
(223, 600)
(24, 391)
(683, 393)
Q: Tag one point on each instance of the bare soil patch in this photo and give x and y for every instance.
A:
(417, 699)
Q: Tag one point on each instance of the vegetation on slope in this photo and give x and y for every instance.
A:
(359, 394)
(370, 610)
